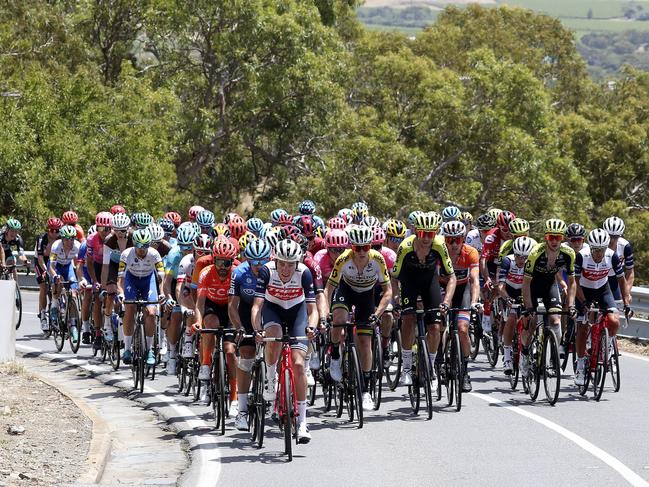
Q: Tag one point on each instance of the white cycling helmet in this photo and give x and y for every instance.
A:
(614, 226)
(288, 251)
(121, 221)
(453, 229)
(523, 246)
(157, 232)
(360, 235)
(599, 239)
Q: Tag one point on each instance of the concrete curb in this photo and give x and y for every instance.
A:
(204, 467)
(100, 442)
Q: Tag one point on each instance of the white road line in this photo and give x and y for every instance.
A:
(30, 313)
(628, 474)
(210, 471)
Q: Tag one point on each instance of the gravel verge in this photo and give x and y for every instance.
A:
(44, 436)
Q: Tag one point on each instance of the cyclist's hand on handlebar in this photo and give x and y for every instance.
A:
(373, 320)
(322, 324)
(488, 284)
(310, 332)
(573, 311)
(162, 299)
(443, 308)
(169, 304)
(396, 311)
(259, 336)
(477, 307)
(197, 326)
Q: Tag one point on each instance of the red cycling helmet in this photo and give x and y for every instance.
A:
(337, 239)
(224, 249)
(287, 231)
(301, 240)
(230, 216)
(285, 219)
(379, 236)
(115, 209)
(305, 224)
(54, 223)
(505, 218)
(193, 211)
(70, 218)
(337, 223)
(174, 216)
(237, 227)
(104, 219)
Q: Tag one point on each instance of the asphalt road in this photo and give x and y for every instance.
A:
(498, 438)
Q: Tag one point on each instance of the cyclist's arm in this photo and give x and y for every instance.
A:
(527, 291)
(450, 289)
(312, 314)
(474, 282)
(572, 287)
(2, 256)
(200, 311)
(233, 311)
(166, 285)
(185, 299)
(256, 313)
(395, 290)
(385, 299)
(328, 293)
(105, 265)
(91, 268)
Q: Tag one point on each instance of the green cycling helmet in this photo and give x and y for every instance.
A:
(14, 224)
(142, 220)
(519, 227)
(68, 231)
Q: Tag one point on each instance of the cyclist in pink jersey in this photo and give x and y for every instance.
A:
(336, 242)
(387, 319)
(94, 263)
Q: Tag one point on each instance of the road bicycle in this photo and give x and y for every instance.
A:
(421, 370)
(350, 389)
(449, 365)
(7, 274)
(64, 322)
(138, 364)
(257, 406)
(393, 361)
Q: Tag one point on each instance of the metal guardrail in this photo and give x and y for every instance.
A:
(638, 325)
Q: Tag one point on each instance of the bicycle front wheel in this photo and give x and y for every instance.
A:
(57, 332)
(551, 367)
(219, 391)
(601, 368)
(356, 386)
(457, 370)
(376, 382)
(258, 404)
(614, 366)
(19, 306)
(424, 373)
(534, 374)
(289, 415)
(73, 324)
(393, 360)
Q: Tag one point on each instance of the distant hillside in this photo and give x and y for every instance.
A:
(611, 20)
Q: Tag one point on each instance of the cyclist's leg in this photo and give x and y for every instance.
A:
(607, 305)
(431, 298)
(409, 293)
(342, 302)
(296, 319)
(364, 308)
(230, 350)
(552, 302)
(272, 324)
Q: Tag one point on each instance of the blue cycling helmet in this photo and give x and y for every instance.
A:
(277, 214)
(451, 213)
(186, 235)
(257, 250)
(412, 217)
(205, 218)
(166, 224)
(255, 225)
(307, 207)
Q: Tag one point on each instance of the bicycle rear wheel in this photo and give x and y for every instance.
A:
(376, 382)
(614, 366)
(551, 367)
(457, 371)
(534, 374)
(258, 404)
(19, 306)
(490, 342)
(569, 343)
(413, 390)
(114, 354)
(219, 391)
(287, 420)
(73, 323)
(393, 370)
(601, 368)
(356, 388)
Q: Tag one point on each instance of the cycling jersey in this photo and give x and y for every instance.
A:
(624, 251)
(172, 261)
(407, 259)
(375, 271)
(289, 294)
(325, 263)
(200, 264)
(467, 259)
(243, 284)
(316, 245)
(491, 244)
(506, 248)
(473, 239)
(113, 250)
(313, 266)
(510, 273)
(43, 245)
(390, 257)
(82, 258)
(95, 246)
(594, 275)
(185, 268)
(130, 263)
(13, 247)
(212, 287)
(163, 248)
(81, 235)
(58, 255)
(537, 265)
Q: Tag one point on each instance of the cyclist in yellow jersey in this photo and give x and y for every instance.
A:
(351, 283)
(415, 273)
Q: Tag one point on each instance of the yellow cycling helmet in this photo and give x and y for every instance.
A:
(466, 217)
(429, 222)
(519, 227)
(245, 239)
(494, 212)
(396, 229)
(555, 226)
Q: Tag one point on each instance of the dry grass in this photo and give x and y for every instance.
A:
(13, 368)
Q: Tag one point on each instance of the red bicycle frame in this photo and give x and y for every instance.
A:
(595, 332)
(286, 363)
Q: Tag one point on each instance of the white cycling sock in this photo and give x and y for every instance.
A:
(406, 356)
(301, 412)
(128, 342)
(86, 326)
(431, 357)
(508, 352)
(149, 343)
(242, 397)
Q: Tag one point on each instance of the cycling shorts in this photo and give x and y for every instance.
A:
(140, 288)
(66, 271)
(345, 297)
(221, 312)
(548, 291)
(424, 285)
(294, 319)
(602, 295)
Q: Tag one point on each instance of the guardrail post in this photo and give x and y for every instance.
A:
(7, 321)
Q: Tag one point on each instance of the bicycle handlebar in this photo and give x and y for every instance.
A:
(140, 302)
(217, 331)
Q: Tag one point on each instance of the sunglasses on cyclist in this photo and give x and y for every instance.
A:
(142, 246)
(122, 231)
(258, 261)
(577, 239)
(223, 262)
(425, 234)
(361, 248)
(185, 248)
(397, 240)
(103, 229)
(554, 238)
(453, 240)
(336, 250)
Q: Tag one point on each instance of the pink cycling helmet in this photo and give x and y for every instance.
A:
(104, 219)
(337, 239)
